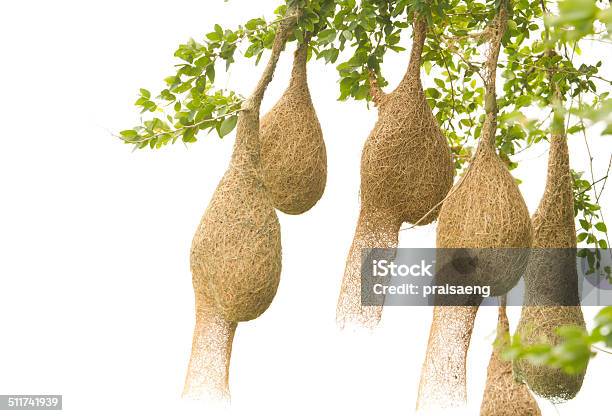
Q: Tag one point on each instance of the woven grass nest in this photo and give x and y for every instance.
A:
(293, 157)
(236, 250)
(406, 170)
(537, 326)
(406, 163)
(486, 210)
(483, 210)
(503, 395)
(551, 279)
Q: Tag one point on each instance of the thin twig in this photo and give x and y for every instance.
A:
(595, 347)
(178, 130)
(595, 193)
(450, 76)
(605, 178)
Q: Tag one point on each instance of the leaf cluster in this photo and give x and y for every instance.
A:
(573, 353)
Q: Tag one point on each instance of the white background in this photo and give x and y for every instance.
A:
(95, 291)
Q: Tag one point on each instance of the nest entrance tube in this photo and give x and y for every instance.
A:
(212, 339)
(443, 380)
(371, 232)
(406, 170)
(236, 250)
(484, 210)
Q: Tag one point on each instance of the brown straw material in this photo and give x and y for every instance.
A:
(483, 210)
(406, 170)
(443, 377)
(293, 156)
(551, 279)
(236, 250)
(371, 232)
(208, 370)
(503, 395)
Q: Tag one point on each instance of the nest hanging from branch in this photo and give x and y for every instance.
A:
(551, 280)
(236, 250)
(406, 170)
(293, 156)
(484, 210)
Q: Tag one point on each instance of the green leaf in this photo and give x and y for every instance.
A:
(214, 37)
(129, 134)
(600, 226)
(254, 23)
(201, 62)
(145, 93)
(149, 106)
(440, 83)
(362, 92)
(189, 135)
(228, 125)
(433, 93)
(523, 101)
(327, 36)
(210, 72)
